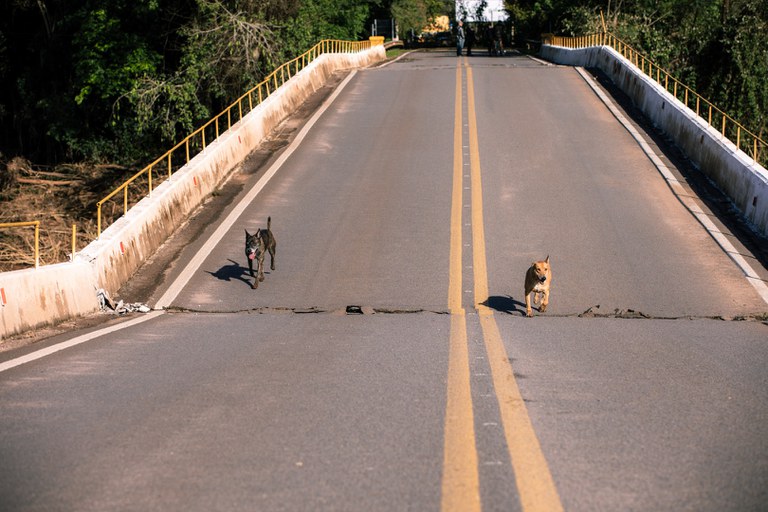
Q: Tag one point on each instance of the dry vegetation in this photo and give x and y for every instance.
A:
(58, 197)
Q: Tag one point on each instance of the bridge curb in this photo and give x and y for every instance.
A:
(738, 176)
(34, 298)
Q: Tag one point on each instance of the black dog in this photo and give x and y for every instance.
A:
(256, 247)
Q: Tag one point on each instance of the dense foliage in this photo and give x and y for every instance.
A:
(92, 90)
(120, 80)
(717, 47)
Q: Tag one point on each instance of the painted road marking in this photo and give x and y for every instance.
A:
(674, 184)
(39, 354)
(534, 481)
(181, 281)
(461, 480)
(194, 264)
(454, 273)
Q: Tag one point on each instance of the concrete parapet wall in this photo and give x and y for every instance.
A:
(743, 180)
(52, 293)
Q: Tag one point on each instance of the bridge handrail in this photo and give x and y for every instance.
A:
(36, 224)
(197, 141)
(743, 138)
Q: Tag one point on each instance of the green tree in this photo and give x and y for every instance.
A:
(734, 66)
(719, 48)
(117, 80)
(324, 19)
(410, 15)
(108, 59)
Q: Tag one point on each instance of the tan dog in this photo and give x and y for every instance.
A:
(537, 280)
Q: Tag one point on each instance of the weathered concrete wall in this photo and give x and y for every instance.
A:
(52, 293)
(736, 174)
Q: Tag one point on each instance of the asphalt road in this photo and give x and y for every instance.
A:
(385, 364)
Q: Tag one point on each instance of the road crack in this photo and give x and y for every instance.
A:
(340, 311)
(358, 310)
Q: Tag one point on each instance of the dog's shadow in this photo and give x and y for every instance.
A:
(233, 272)
(505, 304)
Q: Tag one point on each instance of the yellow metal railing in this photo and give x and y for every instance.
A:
(744, 139)
(36, 224)
(198, 140)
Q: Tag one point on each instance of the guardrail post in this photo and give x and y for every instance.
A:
(272, 80)
(37, 244)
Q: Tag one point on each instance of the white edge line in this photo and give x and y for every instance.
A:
(39, 354)
(181, 281)
(541, 61)
(750, 275)
(387, 63)
(198, 259)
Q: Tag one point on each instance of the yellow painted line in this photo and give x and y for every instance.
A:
(454, 274)
(534, 481)
(479, 260)
(461, 480)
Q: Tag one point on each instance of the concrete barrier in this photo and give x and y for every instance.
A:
(36, 297)
(736, 174)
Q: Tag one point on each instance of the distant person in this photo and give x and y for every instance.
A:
(498, 40)
(460, 39)
(489, 38)
(470, 40)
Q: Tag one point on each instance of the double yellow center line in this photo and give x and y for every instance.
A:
(461, 481)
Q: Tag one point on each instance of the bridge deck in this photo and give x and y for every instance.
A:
(429, 171)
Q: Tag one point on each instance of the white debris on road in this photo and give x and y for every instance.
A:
(106, 305)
